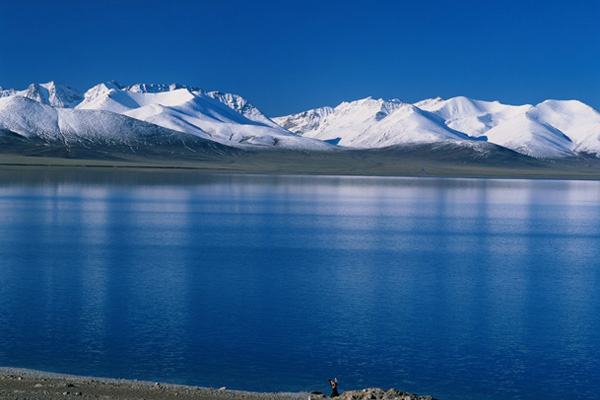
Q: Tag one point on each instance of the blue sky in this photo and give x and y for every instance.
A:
(288, 56)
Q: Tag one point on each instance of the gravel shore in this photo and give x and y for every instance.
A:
(24, 384)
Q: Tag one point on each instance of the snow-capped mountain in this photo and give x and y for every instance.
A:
(222, 117)
(305, 121)
(551, 129)
(509, 126)
(107, 112)
(369, 123)
(473, 117)
(51, 93)
(28, 119)
(576, 120)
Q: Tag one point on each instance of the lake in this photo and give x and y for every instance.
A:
(458, 288)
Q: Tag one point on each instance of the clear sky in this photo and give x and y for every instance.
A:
(288, 56)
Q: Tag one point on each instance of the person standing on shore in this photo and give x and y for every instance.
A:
(334, 385)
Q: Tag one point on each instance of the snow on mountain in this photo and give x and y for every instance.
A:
(51, 93)
(155, 87)
(242, 106)
(7, 92)
(87, 128)
(527, 136)
(578, 121)
(100, 90)
(551, 129)
(114, 98)
(472, 117)
(548, 130)
(304, 121)
(222, 117)
(33, 119)
(370, 123)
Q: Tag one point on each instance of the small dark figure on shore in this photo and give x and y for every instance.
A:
(334, 385)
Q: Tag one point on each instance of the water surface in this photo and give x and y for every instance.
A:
(458, 288)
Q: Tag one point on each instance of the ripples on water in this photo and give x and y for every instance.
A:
(463, 289)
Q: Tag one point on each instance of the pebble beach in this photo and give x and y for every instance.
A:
(25, 384)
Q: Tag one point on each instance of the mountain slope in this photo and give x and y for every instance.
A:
(370, 123)
(576, 120)
(110, 112)
(472, 117)
(221, 117)
(304, 121)
(28, 120)
(552, 129)
(51, 93)
(530, 137)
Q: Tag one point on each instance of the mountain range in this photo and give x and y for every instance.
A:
(178, 116)
(551, 129)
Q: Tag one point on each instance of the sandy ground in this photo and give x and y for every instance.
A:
(24, 384)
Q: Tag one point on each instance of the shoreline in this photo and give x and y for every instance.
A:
(26, 384)
(23, 383)
(382, 164)
(57, 169)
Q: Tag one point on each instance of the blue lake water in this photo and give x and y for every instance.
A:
(458, 288)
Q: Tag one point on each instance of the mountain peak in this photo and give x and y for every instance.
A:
(370, 100)
(101, 89)
(242, 106)
(113, 84)
(50, 93)
(552, 128)
(158, 88)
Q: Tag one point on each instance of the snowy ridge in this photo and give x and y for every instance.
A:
(51, 93)
(551, 129)
(576, 120)
(101, 131)
(305, 121)
(68, 126)
(370, 123)
(242, 106)
(222, 117)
